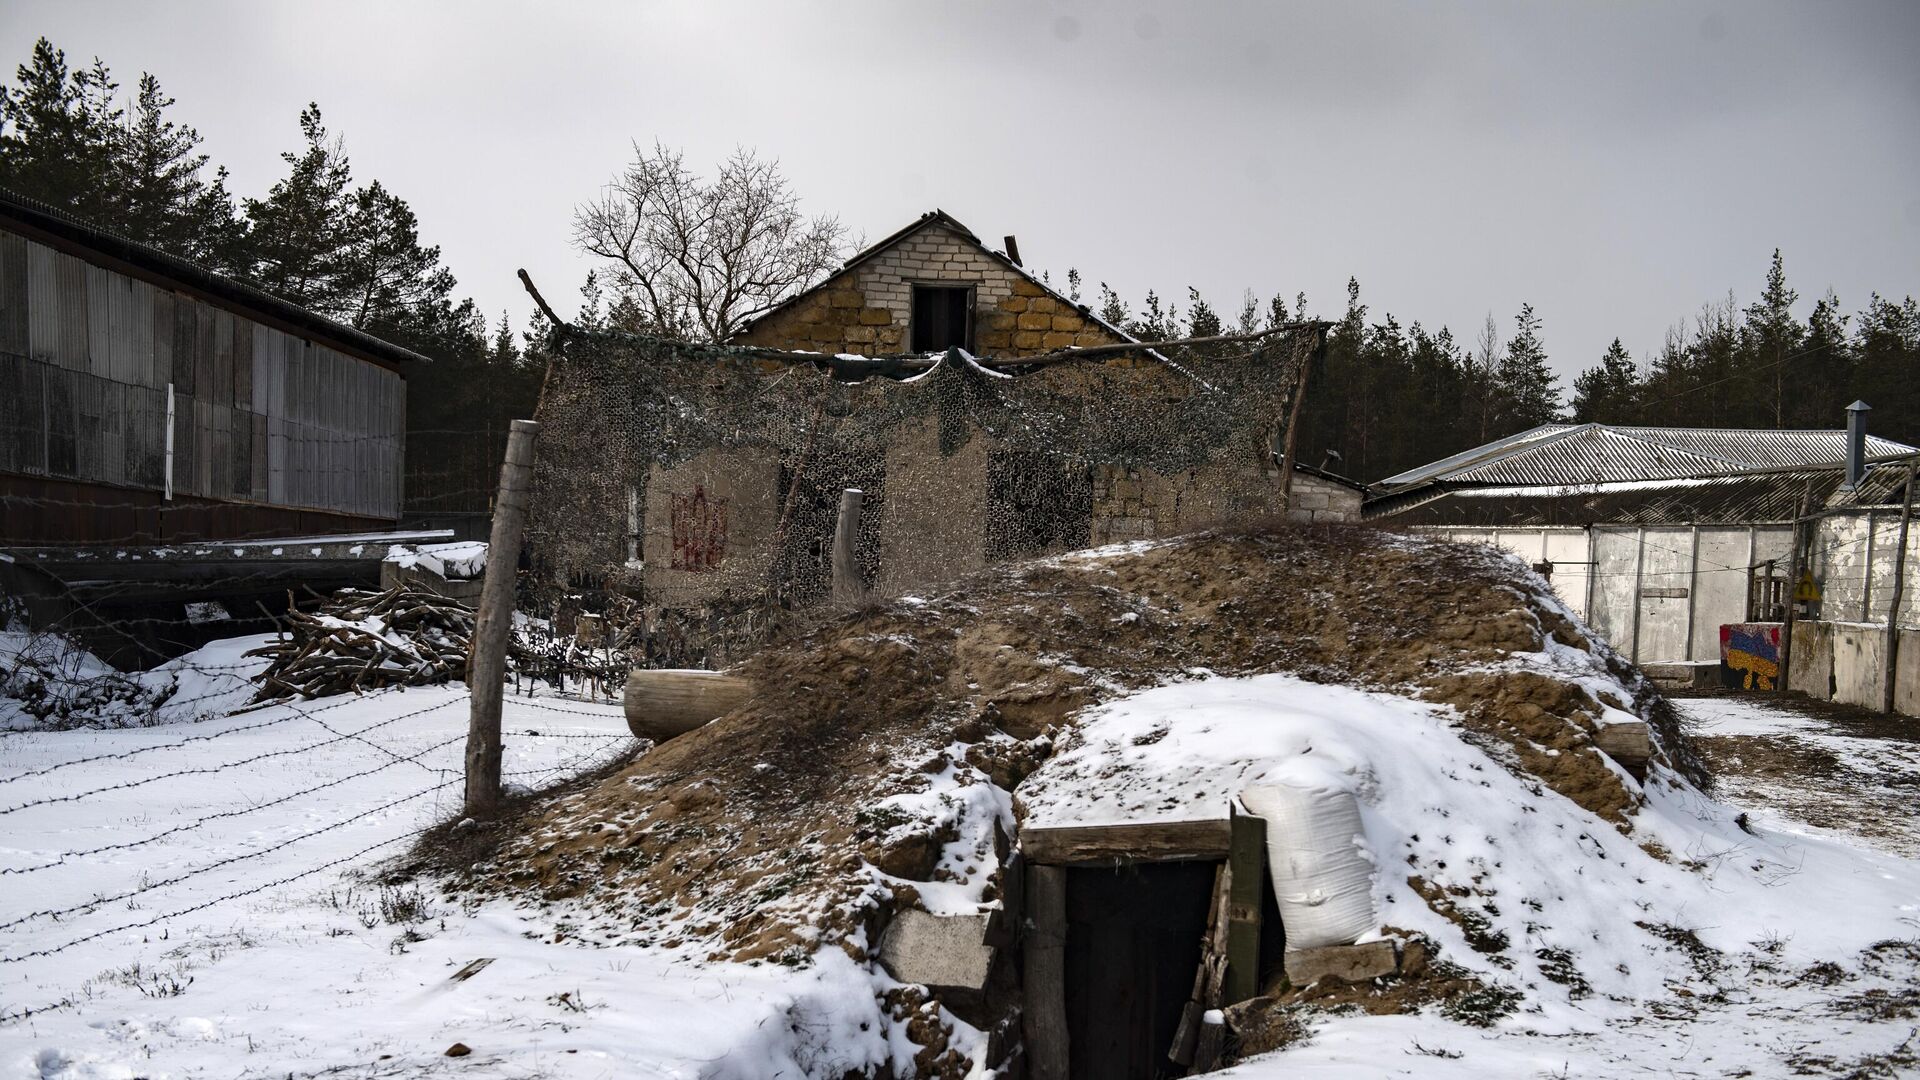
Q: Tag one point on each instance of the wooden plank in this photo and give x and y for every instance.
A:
(1247, 864)
(1147, 841)
(1045, 977)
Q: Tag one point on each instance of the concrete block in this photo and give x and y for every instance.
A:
(1683, 674)
(464, 590)
(944, 952)
(1347, 963)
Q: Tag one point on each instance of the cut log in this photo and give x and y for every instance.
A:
(663, 703)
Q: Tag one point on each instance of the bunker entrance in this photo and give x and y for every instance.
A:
(1133, 944)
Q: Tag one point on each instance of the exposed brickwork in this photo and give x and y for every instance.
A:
(867, 311)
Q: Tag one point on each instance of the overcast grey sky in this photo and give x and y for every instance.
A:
(1616, 164)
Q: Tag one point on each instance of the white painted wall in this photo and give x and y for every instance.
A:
(1657, 593)
(1853, 558)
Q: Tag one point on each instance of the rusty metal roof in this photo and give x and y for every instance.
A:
(1573, 454)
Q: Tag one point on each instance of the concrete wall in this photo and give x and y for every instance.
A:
(934, 526)
(1656, 593)
(1852, 557)
(707, 525)
(1569, 549)
(1845, 662)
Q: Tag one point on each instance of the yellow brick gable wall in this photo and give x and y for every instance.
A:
(866, 311)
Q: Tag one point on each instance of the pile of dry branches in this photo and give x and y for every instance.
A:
(364, 641)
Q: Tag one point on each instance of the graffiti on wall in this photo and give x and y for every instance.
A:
(699, 530)
(1750, 655)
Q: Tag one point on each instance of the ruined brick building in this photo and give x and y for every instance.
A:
(698, 475)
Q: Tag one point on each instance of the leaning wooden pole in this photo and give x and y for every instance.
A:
(1293, 423)
(487, 663)
(1793, 586)
(848, 588)
(1892, 649)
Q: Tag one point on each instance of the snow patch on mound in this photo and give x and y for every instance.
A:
(1532, 877)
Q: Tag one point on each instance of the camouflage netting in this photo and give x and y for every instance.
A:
(707, 479)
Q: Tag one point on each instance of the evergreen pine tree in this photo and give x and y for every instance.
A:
(159, 195)
(1529, 391)
(1113, 310)
(1769, 336)
(298, 235)
(60, 134)
(385, 275)
(1607, 393)
(1202, 320)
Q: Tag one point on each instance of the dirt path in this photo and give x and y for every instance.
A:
(1833, 767)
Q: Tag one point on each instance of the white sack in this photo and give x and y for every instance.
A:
(1316, 852)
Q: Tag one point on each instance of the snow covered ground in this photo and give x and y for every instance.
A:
(1816, 768)
(190, 900)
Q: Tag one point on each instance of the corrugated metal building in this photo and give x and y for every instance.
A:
(1658, 536)
(146, 400)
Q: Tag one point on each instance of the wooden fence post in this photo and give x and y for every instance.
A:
(847, 586)
(1892, 649)
(1246, 888)
(487, 660)
(1793, 585)
(1044, 1019)
(1293, 426)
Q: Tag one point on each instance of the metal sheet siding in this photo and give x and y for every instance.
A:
(14, 311)
(260, 414)
(99, 308)
(43, 303)
(70, 280)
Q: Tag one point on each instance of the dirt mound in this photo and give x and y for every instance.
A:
(854, 779)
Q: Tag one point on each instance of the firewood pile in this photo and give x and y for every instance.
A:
(365, 641)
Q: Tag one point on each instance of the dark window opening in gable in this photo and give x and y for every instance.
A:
(942, 317)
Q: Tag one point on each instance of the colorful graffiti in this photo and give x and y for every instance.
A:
(699, 531)
(1750, 655)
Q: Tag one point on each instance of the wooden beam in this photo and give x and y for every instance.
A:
(1146, 841)
(493, 625)
(1247, 870)
(848, 587)
(1044, 1019)
(1891, 652)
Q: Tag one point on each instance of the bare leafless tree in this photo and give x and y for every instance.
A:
(698, 259)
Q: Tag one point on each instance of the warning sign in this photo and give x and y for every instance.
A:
(1807, 591)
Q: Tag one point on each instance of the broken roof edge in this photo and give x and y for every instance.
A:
(896, 362)
(52, 221)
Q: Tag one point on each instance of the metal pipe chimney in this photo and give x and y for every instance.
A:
(1856, 443)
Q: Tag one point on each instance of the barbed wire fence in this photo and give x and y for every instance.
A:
(357, 721)
(1034, 436)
